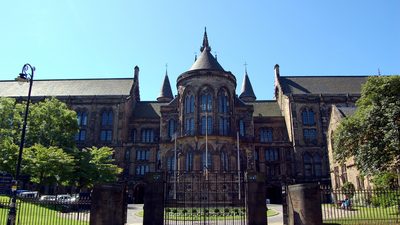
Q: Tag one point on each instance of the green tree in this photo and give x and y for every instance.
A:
(372, 133)
(51, 123)
(10, 123)
(96, 165)
(48, 165)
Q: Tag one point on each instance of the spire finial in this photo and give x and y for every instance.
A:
(166, 69)
(245, 68)
(205, 41)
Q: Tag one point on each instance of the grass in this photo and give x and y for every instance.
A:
(30, 213)
(365, 215)
(197, 214)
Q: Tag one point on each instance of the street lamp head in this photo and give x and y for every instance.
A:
(26, 73)
(22, 78)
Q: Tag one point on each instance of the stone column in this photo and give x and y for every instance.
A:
(108, 205)
(153, 199)
(304, 203)
(256, 207)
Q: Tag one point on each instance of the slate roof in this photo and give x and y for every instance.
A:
(206, 60)
(68, 87)
(322, 84)
(247, 89)
(166, 91)
(346, 111)
(148, 110)
(266, 108)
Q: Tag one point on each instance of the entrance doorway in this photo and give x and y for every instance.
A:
(138, 194)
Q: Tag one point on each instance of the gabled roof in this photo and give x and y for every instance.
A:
(346, 111)
(322, 84)
(68, 87)
(266, 108)
(147, 109)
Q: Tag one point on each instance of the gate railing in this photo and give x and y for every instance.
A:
(360, 206)
(33, 211)
(198, 198)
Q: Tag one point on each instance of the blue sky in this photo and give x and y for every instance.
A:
(105, 39)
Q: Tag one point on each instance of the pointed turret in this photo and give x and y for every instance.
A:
(206, 60)
(166, 91)
(247, 94)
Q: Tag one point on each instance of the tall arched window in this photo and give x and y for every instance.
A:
(308, 117)
(317, 165)
(171, 128)
(307, 162)
(82, 123)
(242, 130)
(189, 161)
(223, 112)
(206, 102)
(206, 115)
(171, 163)
(189, 114)
(106, 126)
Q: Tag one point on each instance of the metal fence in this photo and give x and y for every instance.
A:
(360, 206)
(33, 211)
(199, 198)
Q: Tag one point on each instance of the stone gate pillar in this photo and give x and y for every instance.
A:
(108, 205)
(256, 208)
(153, 199)
(304, 204)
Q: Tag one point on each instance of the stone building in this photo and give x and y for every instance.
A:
(341, 173)
(285, 139)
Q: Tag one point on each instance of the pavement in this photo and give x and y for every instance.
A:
(132, 219)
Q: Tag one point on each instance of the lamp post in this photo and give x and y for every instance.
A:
(25, 76)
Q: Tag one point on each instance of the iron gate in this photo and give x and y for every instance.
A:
(197, 197)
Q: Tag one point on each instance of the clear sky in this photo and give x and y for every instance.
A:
(106, 39)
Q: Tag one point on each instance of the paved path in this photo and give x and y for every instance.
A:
(132, 219)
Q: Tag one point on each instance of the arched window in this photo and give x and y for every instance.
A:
(107, 118)
(224, 161)
(189, 103)
(171, 163)
(242, 130)
(209, 162)
(308, 117)
(189, 161)
(206, 102)
(82, 123)
(266, 135)
(106, 126)
(223, 112)
(206, 123)
(171, 128)
(307, 162)
(223, 102)
(189, 114)
(317, 165)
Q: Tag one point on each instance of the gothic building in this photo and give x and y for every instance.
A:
(285, 138)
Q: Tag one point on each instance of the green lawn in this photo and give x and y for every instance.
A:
(29, 213)
(366, 215)
(196, 214)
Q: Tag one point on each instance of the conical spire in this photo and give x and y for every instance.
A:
(205, 46)
(166, 92)
(206, 60)
(247, 94)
